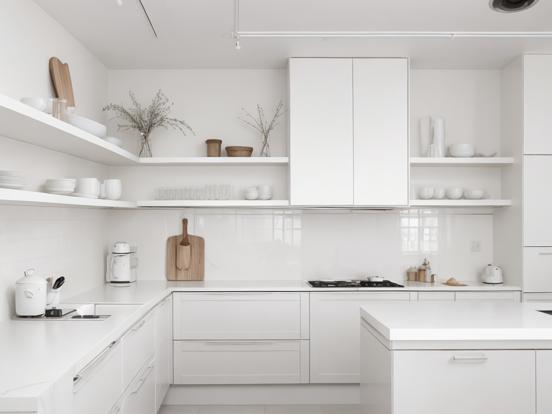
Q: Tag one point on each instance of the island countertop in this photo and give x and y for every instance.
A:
(478, 325)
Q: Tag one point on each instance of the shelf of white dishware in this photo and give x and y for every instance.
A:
(168, 161)
(29, 198)
(24, 123)
(453, 161)
(213, 203)
(485, 202)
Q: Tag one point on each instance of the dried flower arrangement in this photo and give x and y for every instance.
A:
(146, 119)
(260, 124)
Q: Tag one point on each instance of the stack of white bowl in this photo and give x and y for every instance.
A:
(11, 179)
(61, 186)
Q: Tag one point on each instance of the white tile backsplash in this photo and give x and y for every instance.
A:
(293, 245)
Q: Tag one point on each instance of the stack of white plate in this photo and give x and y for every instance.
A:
(10, 179)
(62, 186)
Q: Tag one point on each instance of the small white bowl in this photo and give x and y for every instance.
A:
(439, 193)
(462, 150)
(425, 193)
(474, 194)
(114, 141)
(454, 193)
(86, 124)
(38, 103)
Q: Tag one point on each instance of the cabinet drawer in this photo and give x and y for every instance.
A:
(537, 269)
(241, 362)
(138, 348)
(240, 315)
(512, 296)
(460, 382)
(102, 377)
(436, 296)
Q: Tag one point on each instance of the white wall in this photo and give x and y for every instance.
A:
(55, 241)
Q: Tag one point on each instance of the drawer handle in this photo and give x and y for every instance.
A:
(142, 380)
(478, 357)
(137, 327)
(96, 361)
(545, 253)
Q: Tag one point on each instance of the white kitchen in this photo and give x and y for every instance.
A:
(275, 207)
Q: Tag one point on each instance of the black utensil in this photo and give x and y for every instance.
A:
(58, 283)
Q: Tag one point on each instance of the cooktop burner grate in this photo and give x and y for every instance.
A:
(353, 284)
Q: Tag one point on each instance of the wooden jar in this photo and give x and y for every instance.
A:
(213, 147)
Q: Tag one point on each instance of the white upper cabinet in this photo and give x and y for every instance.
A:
(348, 132)
(380, 92)
(537, 111)
(321, 131)
(537, 203)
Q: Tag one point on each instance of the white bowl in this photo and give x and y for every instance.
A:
(9, 173)
(454, 193)
(425, 193)
(114, 141)
(38, 103)
(462, 150)
(60, 182)
(439, 193)
(86, 124)
(474, 194)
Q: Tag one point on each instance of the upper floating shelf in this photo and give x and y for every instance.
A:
(170, 161)
(452, 161)
(213, 203)
(24, 123)
(486, 202)
(35, 198)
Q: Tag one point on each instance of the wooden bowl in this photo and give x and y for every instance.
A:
(239, 151)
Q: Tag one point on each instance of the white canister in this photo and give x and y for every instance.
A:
(30, 295)
(439, 144)
(265, 192)
(251, 193)
(112, 189)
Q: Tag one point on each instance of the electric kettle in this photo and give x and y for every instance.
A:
(492, 275)
(121, 264)
(30, 295)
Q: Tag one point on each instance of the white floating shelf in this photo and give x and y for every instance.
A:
(168, 161)
(461, 203)
(24, 123)
(465, 162)
(22, 197)
(213, 203)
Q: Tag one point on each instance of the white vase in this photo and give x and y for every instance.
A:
(439, 144)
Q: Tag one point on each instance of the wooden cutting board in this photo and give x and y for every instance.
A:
(185, 256)
(61, 80)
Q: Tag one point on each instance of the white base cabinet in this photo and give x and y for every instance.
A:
(163, 350)
(139, 398)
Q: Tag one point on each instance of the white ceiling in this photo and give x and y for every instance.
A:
(197, 33)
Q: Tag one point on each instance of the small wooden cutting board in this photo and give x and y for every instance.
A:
(185, 256)
(61, 80)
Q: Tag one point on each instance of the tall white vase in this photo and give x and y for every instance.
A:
(439, 145)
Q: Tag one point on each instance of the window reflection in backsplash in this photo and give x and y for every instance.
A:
(419, 231)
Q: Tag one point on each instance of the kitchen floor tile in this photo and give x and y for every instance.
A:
(293, 409)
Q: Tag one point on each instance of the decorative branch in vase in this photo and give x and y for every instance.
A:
(145, 120)
(262, 125)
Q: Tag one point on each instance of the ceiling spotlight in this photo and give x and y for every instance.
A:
(512, 5)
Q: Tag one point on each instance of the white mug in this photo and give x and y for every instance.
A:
(251, 193)
(88, 187)
(112, 189)
(265, 191)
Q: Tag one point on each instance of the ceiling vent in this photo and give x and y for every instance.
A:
(512, 5)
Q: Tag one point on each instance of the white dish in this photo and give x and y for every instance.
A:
(38, 103)
(114, 141)
(425, 193)
(88, 125)
(454, 193)
(438, 193)
(462, 150)
(58, 191)
(14, 186)
(474, 194)
(85, 195)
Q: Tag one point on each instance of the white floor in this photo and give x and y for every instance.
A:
(260, 409)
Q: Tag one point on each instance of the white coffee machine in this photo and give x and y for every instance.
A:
(121, 264)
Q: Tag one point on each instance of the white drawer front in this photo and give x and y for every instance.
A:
(241, 362)
(511, 296)
(436, 296)
(140, 397)
(238, 315)
(537, 269)
(461, 382)
(138, 348)
(102, 377)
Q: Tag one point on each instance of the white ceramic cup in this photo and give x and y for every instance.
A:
(88, 187)
(265, 192)
(112, 189)
(425, 193)
(251, 193)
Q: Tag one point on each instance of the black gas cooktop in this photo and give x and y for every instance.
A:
(353, 284)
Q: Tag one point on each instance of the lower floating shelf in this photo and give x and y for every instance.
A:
(213, 203)
(22, 197)
(461, 203)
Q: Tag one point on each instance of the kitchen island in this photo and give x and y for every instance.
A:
(456, 358)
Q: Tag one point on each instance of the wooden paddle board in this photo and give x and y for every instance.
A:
(185, 256)
(61, 80)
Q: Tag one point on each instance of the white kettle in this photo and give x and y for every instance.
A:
(492, 275)
(122, 264)
(30, 295)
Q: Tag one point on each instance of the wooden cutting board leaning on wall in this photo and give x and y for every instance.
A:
(61, 80)
(185, 256)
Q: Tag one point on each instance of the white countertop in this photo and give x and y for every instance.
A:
(448, 325)
(37, 354)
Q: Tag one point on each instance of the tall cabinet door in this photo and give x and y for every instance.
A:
(537, 216)
(537, 86)
(321, 131)
(381, 169)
